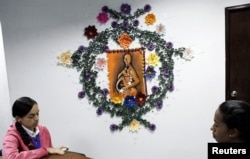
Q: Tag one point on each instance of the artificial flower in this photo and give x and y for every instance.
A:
(105, 8)
(90, 32)
(65, 58)
(106, 48)
(125, 24)
(81, 94)
(150, 19)
(134, 125)
(99, 111)
(140, 98)
(165, 72)
(100, 63)
(117, 99)
(102, 17)
(136, 23)
(169, 45)
(171, 87)
(152, 59)
(129, 101)
(150, 73)
(124, 40)
(152, 127)
(188, 54)
(87, 75)
(114, 24)
(147, 8)
(113, 127)
(81, 48)
(160, 28)
(125, 8)
(154, 89)
(159, 105)
(151, 46)
(105, 91)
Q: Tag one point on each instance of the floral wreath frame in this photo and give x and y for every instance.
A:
(84, 58)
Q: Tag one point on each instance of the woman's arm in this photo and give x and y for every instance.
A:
(12, 149)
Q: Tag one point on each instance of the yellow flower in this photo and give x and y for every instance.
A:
(124, 40)
(134, 125)
(65, 58)
(150, 19)
(152, 59)
(117, 99)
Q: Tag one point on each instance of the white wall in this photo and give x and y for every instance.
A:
(36, 32)
(5, 109)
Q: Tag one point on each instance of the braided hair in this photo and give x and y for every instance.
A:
(22, 107)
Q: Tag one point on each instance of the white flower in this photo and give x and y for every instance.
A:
(188, 54)
(65, 58)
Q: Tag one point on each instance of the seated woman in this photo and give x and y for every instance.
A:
(127, 78)
(232, 122)
(26, 138)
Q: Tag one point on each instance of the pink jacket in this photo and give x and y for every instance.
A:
(12, 141)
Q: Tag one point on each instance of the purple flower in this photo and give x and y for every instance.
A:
(150, 73)
(152, 127)
(147, 8)
(87, 75)
(159, 105)
(114, 24)
(81, 94)
(155, 89)
(165, 72)
(113, 127)
(171, 87)
(105, 91)
(99, 111)
(169, 45)
(81, 48)
(129, 101)
(106, 48)
(105, 9)
(102, 17)
(151, 46)
(125, 8)
(136, 23)
(125, 25)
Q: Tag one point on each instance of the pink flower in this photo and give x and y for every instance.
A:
(102, 17)
(100, 63)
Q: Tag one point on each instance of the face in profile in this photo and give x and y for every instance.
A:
(221, 132)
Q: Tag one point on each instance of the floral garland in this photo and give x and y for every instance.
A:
(124, 30)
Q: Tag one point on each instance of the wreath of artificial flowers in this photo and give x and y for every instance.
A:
(124, 30)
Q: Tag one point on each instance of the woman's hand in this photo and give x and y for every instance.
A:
(57, 150)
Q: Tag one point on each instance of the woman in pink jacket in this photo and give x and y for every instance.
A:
(26, 139)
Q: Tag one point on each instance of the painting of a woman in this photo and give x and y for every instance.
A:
(126, 72)
(127, 78)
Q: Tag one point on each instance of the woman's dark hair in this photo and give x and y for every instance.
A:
(22, 107)
(236, 114)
